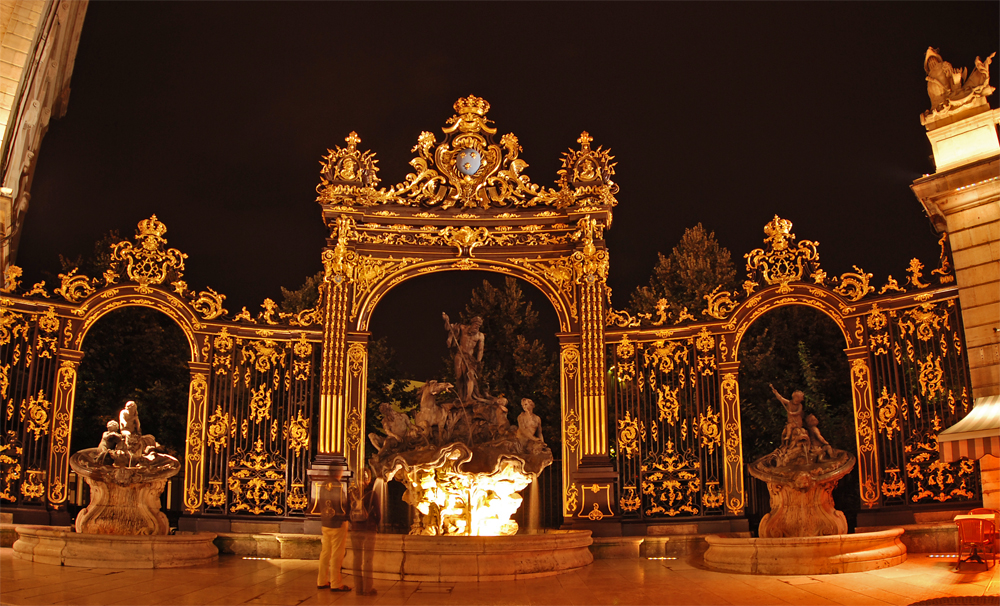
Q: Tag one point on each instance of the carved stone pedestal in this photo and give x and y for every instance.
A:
(133, 509)
(801, 495)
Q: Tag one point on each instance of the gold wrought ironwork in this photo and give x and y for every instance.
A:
(35, 414)
(628, 435)
(256, 481)
(626, 360)
(783, 262)
(10, 466)
(673, 482)
(151, 262)
(297, 433)
(33, 486)
(468, 169)
(221, 427)
(630, 501)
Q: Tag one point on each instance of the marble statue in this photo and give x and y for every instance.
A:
(461, 459)
(467, 343)
(127, 472)
(801, 475)
(952, 89)
(529, 429)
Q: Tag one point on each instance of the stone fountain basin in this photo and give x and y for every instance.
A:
(61, 547)
(806, 555)
(454, 559)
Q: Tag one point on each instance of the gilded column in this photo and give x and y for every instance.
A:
(194, 450)
(62, 424)
(732, 438)
(331, 400)
(864, 423)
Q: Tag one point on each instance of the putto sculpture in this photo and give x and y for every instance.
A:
(461, 460)
(126, 472)
(801, 475)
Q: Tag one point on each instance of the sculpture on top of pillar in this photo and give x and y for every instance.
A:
(461, 460)
(952, 90)
(126, 472)
(801, 475)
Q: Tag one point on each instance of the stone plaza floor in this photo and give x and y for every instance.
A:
(235, 580)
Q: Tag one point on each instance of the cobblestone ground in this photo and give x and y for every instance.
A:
(234, 580)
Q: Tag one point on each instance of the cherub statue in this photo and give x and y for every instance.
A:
(128, 419)
(110, 440)
(794, 409)
(816, 440)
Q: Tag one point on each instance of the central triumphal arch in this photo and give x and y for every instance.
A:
(468, 204)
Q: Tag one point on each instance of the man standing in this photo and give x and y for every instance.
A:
(333, 517)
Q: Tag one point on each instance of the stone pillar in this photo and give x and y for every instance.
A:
(990, 476)
(194, 450)
(732, 439)
(864, 426)
(962, 200)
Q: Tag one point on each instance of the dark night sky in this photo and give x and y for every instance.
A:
(214, 116)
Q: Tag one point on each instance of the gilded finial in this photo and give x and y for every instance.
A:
(352, 140)
(585, 140)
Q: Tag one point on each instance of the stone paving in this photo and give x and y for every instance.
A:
(235, 580)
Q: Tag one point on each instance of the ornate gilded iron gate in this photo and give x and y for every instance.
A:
(252, 399)
(675, 385)
(272, 394)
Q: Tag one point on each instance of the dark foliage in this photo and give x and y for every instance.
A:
(133, 354)
(695, 267)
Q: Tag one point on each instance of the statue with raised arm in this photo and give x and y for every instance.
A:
(794, 409)
(467, 344)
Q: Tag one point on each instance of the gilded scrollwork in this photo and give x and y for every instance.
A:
(888, 411)
(572, 431)
(625, 361)
(35, 414)
(854, 286)
(672, 482)
(221, 428)
(209, 304)
(783, 262)
(628, 435)
(467, 170)
(150, 262)
(74, 287)
(720, 303)
(257, 481)
(296, 431)
(357, 355)
(930, 477)
(708, 430)
(11, 451)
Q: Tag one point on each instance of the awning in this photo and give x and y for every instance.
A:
(976, 435)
